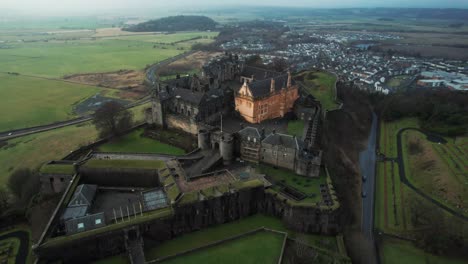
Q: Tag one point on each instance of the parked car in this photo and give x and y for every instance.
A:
(364, 194)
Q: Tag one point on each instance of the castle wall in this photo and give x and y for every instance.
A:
(120, 177)
(183, 123)
(278, 156)
(196, 216)
(54, 183)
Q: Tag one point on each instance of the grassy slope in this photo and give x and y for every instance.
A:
(322, 88)
(134, 142)
(28, 101)
(263, 247)
(212, 234)
(396, 250)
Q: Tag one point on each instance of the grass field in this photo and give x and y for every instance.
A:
(262, 247)
(13, 244)
(322, 86)
(134, 142)
(28, 101)
(58, 58)
(33, 150)
(215, 233)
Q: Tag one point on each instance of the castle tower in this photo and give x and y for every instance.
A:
(203, 139)
(157, 106)
(226, 148)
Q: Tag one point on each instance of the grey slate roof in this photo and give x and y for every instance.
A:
(85, 223)
(249, 132)
(83, 195)
(187, 95)
(286, 141)
(74, 212)
(262, 88)
(259, 73)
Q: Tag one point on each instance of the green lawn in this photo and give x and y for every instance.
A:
(59, 58)
(28, 101)
(306, 185)
(296, 127)
(322, 86)
(402, 252)
(262, 247)
(215, 233)
(134, 142)
(120, 259)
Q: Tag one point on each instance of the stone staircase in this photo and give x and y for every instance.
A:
(210, 158)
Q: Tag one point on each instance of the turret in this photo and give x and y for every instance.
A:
(203, 139)
(227, 148)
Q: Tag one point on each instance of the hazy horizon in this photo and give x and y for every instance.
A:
(45, 7)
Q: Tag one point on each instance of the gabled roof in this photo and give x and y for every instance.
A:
(84, 195)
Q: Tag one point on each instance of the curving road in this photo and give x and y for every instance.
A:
(401, 170)
(151, 71)
(23, 251)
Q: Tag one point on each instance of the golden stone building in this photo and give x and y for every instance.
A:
(259, 100)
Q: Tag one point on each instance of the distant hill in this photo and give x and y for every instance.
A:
(175, 23)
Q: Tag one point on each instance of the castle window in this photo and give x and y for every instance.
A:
(248, 138)
(80, 225)
(97, 221)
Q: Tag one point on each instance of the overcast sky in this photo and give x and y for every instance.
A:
(102, 5)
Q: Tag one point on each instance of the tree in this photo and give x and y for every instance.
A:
(112, 119)
(23, 183)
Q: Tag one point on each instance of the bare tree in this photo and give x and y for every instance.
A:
(112, 119)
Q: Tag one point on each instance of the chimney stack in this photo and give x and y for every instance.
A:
(272, 86)
(289, 79)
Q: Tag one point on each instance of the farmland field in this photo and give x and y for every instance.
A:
(29, 101)
(59, 58)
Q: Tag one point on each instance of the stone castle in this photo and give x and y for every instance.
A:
(196, 105)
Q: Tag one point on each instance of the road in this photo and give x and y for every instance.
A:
(151, 71)
(23, 251)
(367, 159)
(7, 135)
(404, 179)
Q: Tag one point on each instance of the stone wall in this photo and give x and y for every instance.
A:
(183, 123)
(278, 156)
(120, 177)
